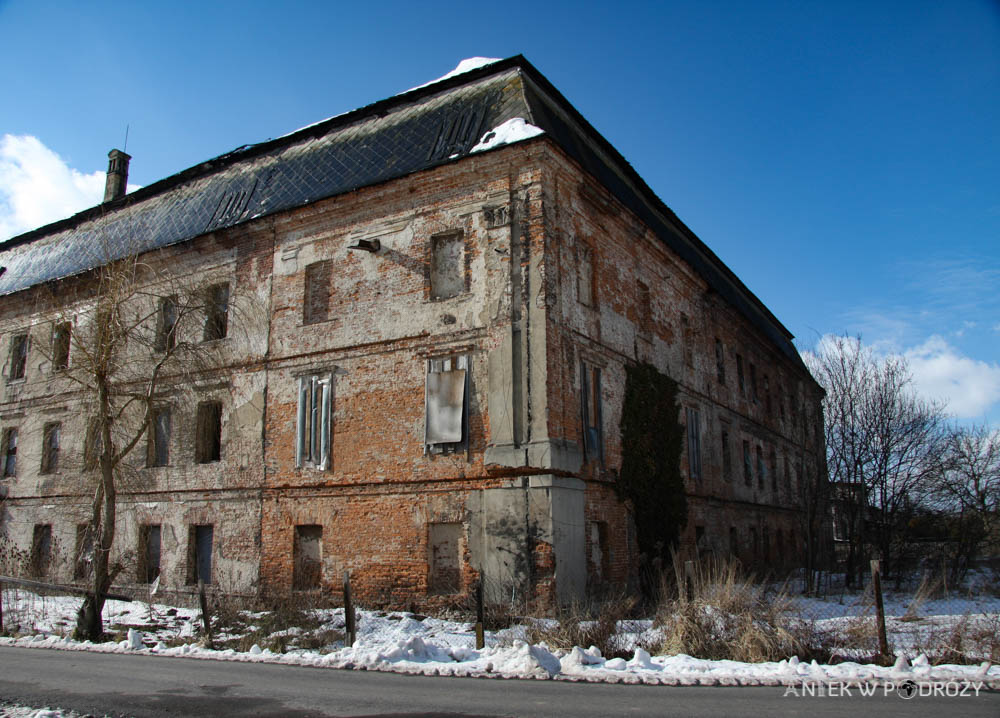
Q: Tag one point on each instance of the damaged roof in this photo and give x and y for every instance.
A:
(419, 129)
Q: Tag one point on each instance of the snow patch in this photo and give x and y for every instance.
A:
(511, 131)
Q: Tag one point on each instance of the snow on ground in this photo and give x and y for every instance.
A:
(18, 711)
(409, 643)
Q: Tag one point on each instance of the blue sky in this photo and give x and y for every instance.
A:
(843, 158)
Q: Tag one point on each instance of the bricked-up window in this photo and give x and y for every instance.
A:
(447, 265)
(9, 449)
(148, 552)
(720, 363)
(740, 379)
(446, 405)
(694, 443)
(747, 464)
(50, 447)
(307, 557)
(216, 312)
(18, 356)
(761, 471)
(208, 432)
(166, 325)
(445, 574)
(316, 292)
(199, 566)
(585, 275)
(314, 426)
(727, 457)
(41, 550)
(158, 438)
(83, 556)
(591, 405)
(60, 345)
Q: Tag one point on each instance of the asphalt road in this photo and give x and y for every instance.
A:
(128, 685)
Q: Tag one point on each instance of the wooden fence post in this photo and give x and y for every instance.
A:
(206, 620)
(883, 642)
(480, 637)
(349, 625)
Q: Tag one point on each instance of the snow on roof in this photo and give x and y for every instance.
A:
(511, 131)
(467, 65)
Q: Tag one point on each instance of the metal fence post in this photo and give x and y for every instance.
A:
(480, 637)
(349, 625)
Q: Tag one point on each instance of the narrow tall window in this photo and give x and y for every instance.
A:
(307, 558)
(60, 345)
(10, 452)
(216, 312)
(593, 440)
(747, 464)
(740, 380)
(149, 553)
(316, 293)
(446, 405)
(158, 438)
(447, 265)
(585, 275)
(694, 443)
(208, 437)
(720, 363)
(200, 539)
(761, 471)
(166, 328)
(18, 356)
(314, 426)
(41, 550)
(50, 448)
(727, 457)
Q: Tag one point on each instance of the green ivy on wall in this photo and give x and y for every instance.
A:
(652, 437)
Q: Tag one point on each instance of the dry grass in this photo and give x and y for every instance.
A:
(597, 625)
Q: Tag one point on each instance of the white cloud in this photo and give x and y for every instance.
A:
(970, 386)
(38, 187)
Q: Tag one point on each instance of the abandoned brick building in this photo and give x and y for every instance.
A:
(451, 283)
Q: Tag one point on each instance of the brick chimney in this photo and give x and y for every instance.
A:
(117, 180)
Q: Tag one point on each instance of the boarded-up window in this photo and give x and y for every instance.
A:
(446, 404)
(591, 406)
(585, 275)
(166, 327)
(200, 553)
(10, 452)
(307, 553)
(149, 553)
(18, 356)
(447, 265)
(216, 312)
(158, 438)
(314, 425)
(41, 550)
(208, 439)
(50, 447)
(83, 560)
(445, 574)
(694, 443)
(60, 345)
(316, 294)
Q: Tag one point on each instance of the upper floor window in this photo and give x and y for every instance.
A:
(747, 464)
(593, 434)
(727, 458)
(9, 449)
(314, 425)
(761, 471)
(158, 438)
(216, 312)
(208, 439)
(60, 345)
(446, 404)
(166, 326)
(50, 447)
(18, 356)
(447, 265)
(316, 292)
(694, 443)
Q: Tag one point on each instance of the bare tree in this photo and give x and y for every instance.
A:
(137, 333)
(882, 446)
